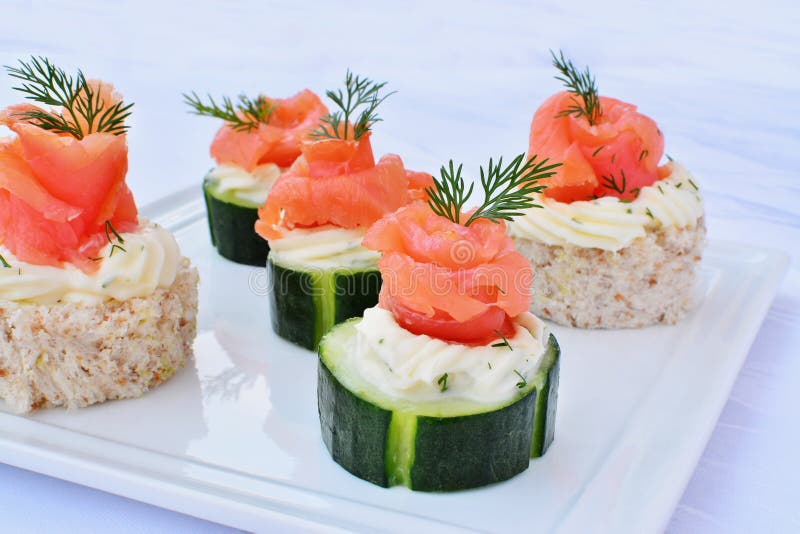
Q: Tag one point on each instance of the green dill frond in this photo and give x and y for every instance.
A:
(448, 196)
(348, 122)
(522, 381)
(586, 100)
(503, 343)
(506, 189)
(611, 182)
(51, 121)
(442, 383)
(243, 115)
(45, 83)
(120, 241)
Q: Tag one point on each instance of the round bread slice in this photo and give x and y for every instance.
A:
(76, 354)
(648, 282)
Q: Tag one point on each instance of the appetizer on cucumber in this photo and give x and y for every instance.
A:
(318, 212)
(259, 139)
(619, 234)
(96, 302)
(449, 382)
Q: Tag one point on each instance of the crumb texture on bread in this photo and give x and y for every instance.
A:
(648, 282)
(77, 354)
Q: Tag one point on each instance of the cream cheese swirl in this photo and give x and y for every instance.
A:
(609, 224)
(410, 367)
(150, 260)
(324, 247)
(249, 187)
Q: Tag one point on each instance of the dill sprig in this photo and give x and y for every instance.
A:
(586, 102)
(243, 115)
(4, 263)
(610, 182)
(448, 196)
(442, 383)
(358, 93)
(114, 246)
(522, 381)
(507, 189)
(43, 82)
(111, 231)
(503, 343)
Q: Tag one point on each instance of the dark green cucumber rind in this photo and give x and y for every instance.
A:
(306, 303)
(353, 430)
(292, 305)
(355, 292)
(544, 424)
(473, 445)
(231, 225)
(453, 453)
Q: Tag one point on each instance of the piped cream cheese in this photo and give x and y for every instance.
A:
(250, 187)
(609, 224)
(150, 260)
(410, 367)
(324, 247)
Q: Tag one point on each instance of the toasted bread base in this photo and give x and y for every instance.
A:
(74, 354)
(648, 282)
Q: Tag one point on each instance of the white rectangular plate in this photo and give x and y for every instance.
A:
(234, 436)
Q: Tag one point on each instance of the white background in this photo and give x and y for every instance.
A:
(722, 82)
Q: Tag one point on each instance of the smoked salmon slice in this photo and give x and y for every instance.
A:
(88, 173)
(277, 141)
(616, 156)
(57, 191)
(447, 273)
(337, 182)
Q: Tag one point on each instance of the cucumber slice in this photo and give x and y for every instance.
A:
(231, 222)
(436, 446)
(306, 303)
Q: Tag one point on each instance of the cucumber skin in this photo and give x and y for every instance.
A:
(352, 428)
(550, 390)
(451, 453)
(291, 306)
(294, 311)
(232, 229)
(355, 293)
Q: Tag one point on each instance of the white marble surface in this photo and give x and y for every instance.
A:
(724, 85)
